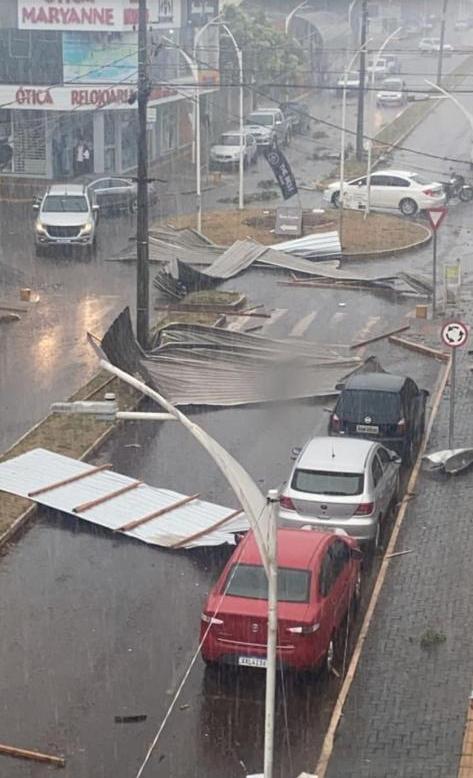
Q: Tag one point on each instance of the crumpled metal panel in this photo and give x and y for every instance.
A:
(39, 468)
(235, 259)
(318, 244)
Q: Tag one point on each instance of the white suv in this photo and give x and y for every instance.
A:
(66, 216)
(432, 46)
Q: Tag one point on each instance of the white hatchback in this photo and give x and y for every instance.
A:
(390, 190)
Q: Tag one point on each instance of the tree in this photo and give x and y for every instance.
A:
(270, 57)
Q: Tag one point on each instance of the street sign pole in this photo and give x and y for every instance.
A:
(454, 335)
(451, 423)
(436, 217)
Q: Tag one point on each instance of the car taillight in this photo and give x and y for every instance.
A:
(304, 629)
(401, 426)
(335, 423)
(211, 619)
(364, 509)
(286, 502)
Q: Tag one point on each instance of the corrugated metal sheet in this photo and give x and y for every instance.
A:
(319, 244)
(235, 259)
(299, 264)
(40, 467)
(215, 367)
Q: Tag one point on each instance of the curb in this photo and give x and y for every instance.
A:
(386, 252)
(329, 740)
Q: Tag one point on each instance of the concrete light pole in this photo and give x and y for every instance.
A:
(361, 88)
(371, 107)
(292, 13)
(442, 41)
(142, 217)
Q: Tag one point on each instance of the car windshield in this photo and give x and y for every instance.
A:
(328, 483)
(230, 140)
(265, 119)
(250, 581)
(358, 404)
(65, 204)
(393, 84)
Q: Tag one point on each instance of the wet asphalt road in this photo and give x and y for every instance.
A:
(95, 626)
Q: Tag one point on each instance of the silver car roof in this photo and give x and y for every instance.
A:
(336, 454)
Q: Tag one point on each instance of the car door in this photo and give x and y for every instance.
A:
(379, 486)
(101, 189)
(334, 587)
(415, 402)
(401, 188)
(381, 195)
(356, 193)
(389, 478)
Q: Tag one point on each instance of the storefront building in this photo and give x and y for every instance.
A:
(68, 73)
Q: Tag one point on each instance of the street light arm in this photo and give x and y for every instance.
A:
(459, 105)
(292, 13)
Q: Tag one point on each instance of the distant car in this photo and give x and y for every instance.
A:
(383, 407)
(226, 152)
(393, 64)
(66, 216)
(274, 120)
(432, 46)
(345, 483)
(379, 69)
(119, 194)
(392, 92)
(352, 82)
(319, 577)
(391, 189)
(265, 137)
(298, 114)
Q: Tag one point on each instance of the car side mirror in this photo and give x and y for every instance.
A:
(360, 183)
(426, 393)
(396, 459)
(35, 206)
(295, 452)
(356, 553)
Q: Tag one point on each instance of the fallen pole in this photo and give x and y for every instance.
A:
(420, 348)
(362, 343)
(202, 309)
(37, 756)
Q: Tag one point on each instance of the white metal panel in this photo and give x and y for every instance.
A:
(40, 467)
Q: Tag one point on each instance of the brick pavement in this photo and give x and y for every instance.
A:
(406, 710)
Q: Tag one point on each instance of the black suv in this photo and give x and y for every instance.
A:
(383, 407)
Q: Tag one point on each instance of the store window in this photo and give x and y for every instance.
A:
(109, 142)
(129, 135)
(6, 136)
(169, 137)
(29, 143)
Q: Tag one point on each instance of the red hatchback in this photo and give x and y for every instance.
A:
(318, 577)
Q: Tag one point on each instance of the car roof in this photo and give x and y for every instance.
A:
(378, 382)
(66, 189)
(336, 454)
(296, 548)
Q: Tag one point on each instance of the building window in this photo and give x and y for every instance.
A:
(168, 128)
(20, 44)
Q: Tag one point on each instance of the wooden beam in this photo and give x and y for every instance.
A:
(37, 756)
(420, 348)
(69, 480)
(86, 506)
(155, 514)
(203, 309)
(380, 337)
(203, 532)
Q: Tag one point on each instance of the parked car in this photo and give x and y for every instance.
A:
(346, 483)
(265, 137)
(432, 46)
(379, 69)
(230, 145)
(393, 64)
(392, 92)
(119, 194)
(66, 216)
(298, 114)
(273, 119)
(318, 578)
(391, 189)
(383, 407)
(352, 82)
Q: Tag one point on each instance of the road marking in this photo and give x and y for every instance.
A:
(328, 744)
(303, 325)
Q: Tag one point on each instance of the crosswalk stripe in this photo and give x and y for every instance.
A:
(301, 327)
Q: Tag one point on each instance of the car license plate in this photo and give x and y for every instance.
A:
(252, 661)
(370, 429)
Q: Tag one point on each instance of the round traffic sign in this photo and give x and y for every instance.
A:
(454, 334)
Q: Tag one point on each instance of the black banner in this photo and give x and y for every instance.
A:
(282, 171)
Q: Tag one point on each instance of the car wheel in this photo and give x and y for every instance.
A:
(336, 199)
(408, 207)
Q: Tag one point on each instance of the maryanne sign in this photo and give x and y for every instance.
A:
(92, 15)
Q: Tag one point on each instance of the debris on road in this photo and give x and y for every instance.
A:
(36, 756)
(383, 335)
(398, 553)
(155, 516)
(198, 365)
(451, 461)
(130, 719)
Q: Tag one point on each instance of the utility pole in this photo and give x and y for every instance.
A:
(442, 40)
(142, 238)
(360, 119)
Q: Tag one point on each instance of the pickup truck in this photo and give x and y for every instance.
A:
(272, 119)
(298, 115)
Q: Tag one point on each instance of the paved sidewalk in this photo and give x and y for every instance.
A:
(406, 710)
